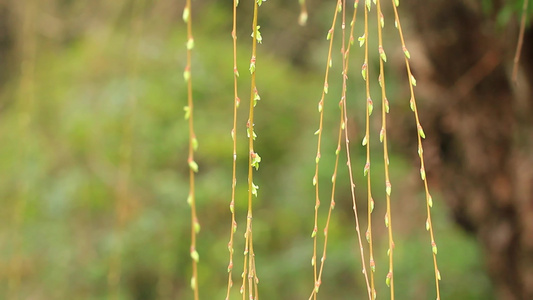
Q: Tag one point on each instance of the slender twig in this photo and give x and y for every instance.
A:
(366, 143)
(193, 144)
(330, 37)
(420, 136)
(236, 101)
(383, 138)
(520, 40)
(249, 271)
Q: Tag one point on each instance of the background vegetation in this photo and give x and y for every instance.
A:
(94, 171)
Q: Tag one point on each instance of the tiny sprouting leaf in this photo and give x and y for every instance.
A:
(427, 224)
(413, 80)
(412, 104)
(421, 132)
(189, 200)
(256, 97)
(330, 32)
(371, 205)
(302, 20)
(388, 280)
(434, 248)
(186, 14)
(194, 166)
(187, 112)
(422, 173)
(343, 125)
(355, 4)
(387, 107)
(365, 141)
(313, 234)
(333, 178)
(339, 7)
(233, 134)
(317, 131)
(193, 283)
(406, 52)
(367, 235)
(312, 261)
(256, 159)
(430, 201)
(381, 135)
(197, 227)
(361, 40)
(420, 150)
(194, 142)
(187, 74)
(232, 207)
(381, 20)
(387, 220)
(368, 4)
(237, 102)
(397, 3)
(366, 169)
(259, 2)
(195, 256)
(258, 36)
(230, 267)
(374, 2)
(382, 54)
(314, 180)
(190, 43)
(370, 106)
(330, 63)
(373, 265)
(351, 37)
(338, 150)
(379, 81)
(317, 159)
(254, 189)
(325, 88)
(363, 71)
(396, 23)
(236, 72)
(388, 187)
(438, 275)
(252, 67)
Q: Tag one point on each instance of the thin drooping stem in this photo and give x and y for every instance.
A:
(520, 39)
(420, 136)
(236, 101)
(330, 36)
(349, 162)
(383, 138)
(193, 144)
(249, 271)
(367, 169)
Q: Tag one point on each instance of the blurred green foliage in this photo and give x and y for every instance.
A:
(113, 91)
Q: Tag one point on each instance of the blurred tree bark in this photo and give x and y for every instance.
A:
(480, 124)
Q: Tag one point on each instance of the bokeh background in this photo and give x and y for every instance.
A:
(93, 153)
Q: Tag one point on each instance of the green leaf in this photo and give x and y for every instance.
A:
(361, 40)
(186, 14)
(195, 256)
(194, 166)
(254, 189)
(190, 44)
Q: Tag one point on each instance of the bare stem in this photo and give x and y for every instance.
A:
(421, 135)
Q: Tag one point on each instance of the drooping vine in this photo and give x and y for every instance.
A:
(329, 63)
(193, 145)
(254, 159)
(236, 102)
(420, 135)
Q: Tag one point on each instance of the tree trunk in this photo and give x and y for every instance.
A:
(479, 128)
